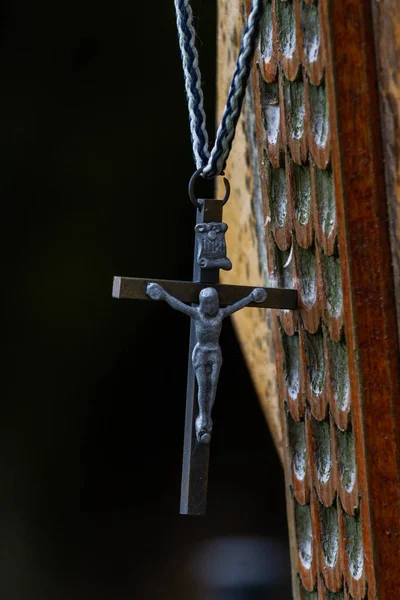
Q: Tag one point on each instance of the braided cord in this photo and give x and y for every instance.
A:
(191, 71)
(213, 163)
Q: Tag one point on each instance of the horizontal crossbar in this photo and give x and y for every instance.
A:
(134, 288)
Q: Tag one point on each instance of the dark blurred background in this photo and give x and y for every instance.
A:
(95, 162)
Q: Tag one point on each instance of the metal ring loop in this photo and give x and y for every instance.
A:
(192, 194)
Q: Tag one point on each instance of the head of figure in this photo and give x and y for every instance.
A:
(209, 301)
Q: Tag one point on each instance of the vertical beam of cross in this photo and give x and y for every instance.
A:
(196, 455)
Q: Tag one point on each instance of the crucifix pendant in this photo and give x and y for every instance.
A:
(207, 303)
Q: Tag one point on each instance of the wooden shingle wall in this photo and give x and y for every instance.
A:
(319, 180)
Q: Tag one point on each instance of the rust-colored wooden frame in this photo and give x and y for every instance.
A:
(368, 281)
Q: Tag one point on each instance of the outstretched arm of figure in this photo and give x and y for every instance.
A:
(257, 295)
(156, 292)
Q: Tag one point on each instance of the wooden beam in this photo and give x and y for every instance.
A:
(387, 41)
(369, 284)
(134, 288)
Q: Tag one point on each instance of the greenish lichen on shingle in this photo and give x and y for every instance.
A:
(308, 595)
(309, 23)
(333, 595)
(326, 204)
(323, 454)
(354, 546)
(332, 276)
(278, 196)
(319, 113)
(329, 534)
(291, 351)
(314, 343)
(295, 107)
(266, 32)
(307, 271)
(297, 439)
(347, 458)
(303, 194)
(304, 533)
(286, 27)
(339, 368)
(270, 110)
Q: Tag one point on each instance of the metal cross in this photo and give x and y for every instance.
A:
(202, 300)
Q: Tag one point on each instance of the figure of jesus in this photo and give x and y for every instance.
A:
(206, 357)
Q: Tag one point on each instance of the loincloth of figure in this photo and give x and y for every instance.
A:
(206, 354)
